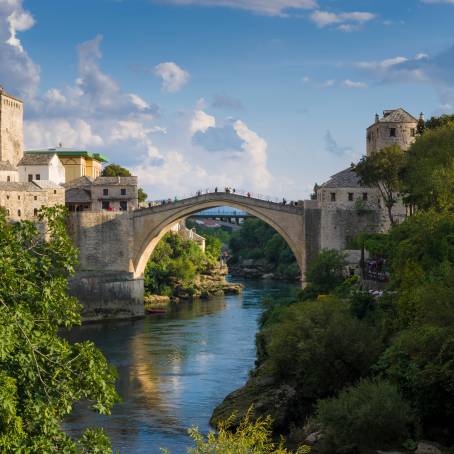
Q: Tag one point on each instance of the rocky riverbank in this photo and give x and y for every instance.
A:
(204, 286)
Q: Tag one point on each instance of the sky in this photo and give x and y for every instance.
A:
(267, 96)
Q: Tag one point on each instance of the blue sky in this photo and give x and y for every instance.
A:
(266, 95)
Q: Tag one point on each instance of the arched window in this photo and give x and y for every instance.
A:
(19, 213)
(35, 212)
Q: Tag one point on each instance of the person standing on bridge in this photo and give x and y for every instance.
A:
(249, 194)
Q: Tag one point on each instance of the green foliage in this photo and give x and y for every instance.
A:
(325, 273)
(250, 437)
(176, 260)
(377, 244)
(428, 177)
(382, 169)
(439, 122)
(420, 361)
(259, 241)
(115, 170)
(321, 347)
(41, 374)
(142, 195)
(369, 415)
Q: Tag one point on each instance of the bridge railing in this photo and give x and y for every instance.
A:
(232, 191)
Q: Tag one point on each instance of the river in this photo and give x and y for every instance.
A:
(175, 368)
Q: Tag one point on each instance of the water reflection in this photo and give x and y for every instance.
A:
(174, 368)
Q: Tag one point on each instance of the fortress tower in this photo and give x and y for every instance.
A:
(396, 127)
(11, 129)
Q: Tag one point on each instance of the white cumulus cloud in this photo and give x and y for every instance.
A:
(173, 77)
(352, 84)
(201, 121)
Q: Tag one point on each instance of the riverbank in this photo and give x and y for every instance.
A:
(204, 286)
(260, 269)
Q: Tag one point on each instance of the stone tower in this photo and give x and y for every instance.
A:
(11, 128)
(396, 127)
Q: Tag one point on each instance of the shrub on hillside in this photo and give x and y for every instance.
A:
(324, 274)
(321, 348)
(421, 362)
(369, 415)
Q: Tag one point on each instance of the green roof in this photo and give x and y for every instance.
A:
(70, 152)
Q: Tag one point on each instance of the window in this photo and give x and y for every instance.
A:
(350, 196)
(105, 192)
(369, 137)
(55, 191)
(365, 196)
(18, 197)
(37, 176)
(19, 213)
(35, 212)
(392, 132)
(123, 191)
(105, 205)
(8, 178)
(333, 197)
(123, 205)
(7, 197)
(35, 197)
(30, 177)
(413, 132)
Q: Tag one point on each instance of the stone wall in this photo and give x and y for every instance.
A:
(108, 295)
(378, 136)
(11, 129)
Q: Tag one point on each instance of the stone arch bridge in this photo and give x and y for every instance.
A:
(115, 246)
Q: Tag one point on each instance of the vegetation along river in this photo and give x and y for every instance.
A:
(175, 368)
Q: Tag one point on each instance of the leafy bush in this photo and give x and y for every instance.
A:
(174, 260)
(250, 437)
(371, 414)
(324, 274)
(421, 362)
(321, 347)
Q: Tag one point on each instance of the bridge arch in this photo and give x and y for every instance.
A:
(151, 224)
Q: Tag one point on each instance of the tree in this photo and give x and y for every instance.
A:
(428, 176)
(382, 170)
(41, 374)
(438, 122)
(142, 195)
(326, 272)
(115, 170)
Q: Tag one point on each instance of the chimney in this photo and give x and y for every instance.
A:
(377, 118)
(421, 116)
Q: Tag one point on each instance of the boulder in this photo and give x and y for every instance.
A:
(425, 447)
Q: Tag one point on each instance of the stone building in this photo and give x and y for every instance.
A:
(11, 128)
(345, 191)
(41, 167)
(396, 127)
(22, 200)
(77, 163)
(102, 193)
